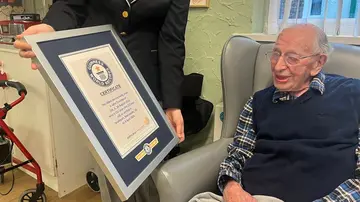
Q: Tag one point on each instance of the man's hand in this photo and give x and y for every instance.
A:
(25, 48)
(233, 192)
(176, 119)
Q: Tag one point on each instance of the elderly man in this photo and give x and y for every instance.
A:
(298, 140)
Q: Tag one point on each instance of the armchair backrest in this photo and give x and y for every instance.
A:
(245, 70)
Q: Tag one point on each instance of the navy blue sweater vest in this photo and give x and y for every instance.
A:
(305, 148)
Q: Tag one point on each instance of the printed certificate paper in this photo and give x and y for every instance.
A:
(104, 83)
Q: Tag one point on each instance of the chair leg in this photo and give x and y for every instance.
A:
(2, 175)
(106, 190)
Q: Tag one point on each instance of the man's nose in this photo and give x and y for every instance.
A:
(280, 65)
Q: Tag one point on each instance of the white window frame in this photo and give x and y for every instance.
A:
(347, 27)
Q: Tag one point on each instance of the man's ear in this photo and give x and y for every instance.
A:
(323, 60)
(319, 65)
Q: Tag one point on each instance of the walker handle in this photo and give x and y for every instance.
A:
(19, 86)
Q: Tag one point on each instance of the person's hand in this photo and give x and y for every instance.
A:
(176, 119)
(233, 192)
(25, 50)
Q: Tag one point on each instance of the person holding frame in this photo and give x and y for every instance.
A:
(154, 35)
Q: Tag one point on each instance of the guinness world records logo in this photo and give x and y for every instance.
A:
(147, 148)
(99, 72)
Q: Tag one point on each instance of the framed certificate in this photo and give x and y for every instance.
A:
(91, 72)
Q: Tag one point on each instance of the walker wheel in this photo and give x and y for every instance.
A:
(26, 196)
(92, 181)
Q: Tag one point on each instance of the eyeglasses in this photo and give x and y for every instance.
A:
(291, 59)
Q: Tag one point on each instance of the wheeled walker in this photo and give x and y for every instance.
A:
(31, 195)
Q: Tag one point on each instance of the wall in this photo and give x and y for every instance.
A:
(207, 31)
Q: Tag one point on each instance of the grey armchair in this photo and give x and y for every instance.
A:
(244, 70)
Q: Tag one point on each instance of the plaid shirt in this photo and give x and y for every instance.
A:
(243, 145)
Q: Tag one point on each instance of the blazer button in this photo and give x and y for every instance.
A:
(125, 14)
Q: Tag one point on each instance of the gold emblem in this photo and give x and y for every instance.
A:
(125, 14)
(146, 121)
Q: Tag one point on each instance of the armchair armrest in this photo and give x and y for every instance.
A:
(182, 177)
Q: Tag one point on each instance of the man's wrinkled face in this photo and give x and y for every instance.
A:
(294, 61)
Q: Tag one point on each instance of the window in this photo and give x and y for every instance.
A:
(316, 8)
(336, 17)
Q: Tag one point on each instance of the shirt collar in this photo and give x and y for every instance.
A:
(317, 83)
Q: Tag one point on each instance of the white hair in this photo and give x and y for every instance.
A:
(321, 44)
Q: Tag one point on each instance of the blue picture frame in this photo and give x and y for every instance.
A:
(127, 173)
